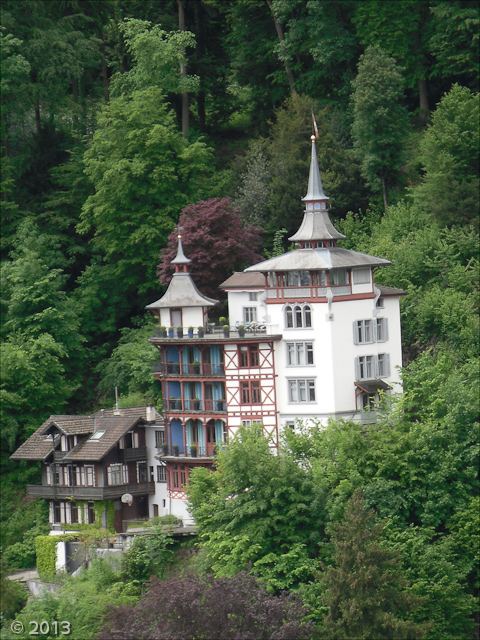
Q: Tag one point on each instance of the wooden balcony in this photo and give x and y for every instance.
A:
(51, 492)
(131, 455)
(176, 369)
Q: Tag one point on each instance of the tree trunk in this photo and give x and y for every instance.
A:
(384, 194)
(281, 38)
(183, 72)
(421, 81)
(104, 70)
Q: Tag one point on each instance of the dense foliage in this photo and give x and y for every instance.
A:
(116, 128)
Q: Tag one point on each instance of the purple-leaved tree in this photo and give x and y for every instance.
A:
(184, 608)
(215, 241)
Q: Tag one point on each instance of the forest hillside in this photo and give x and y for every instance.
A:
(117, 115)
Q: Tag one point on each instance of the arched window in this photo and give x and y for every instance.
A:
(298, 316)
(309, 206)
(323, 205)
(307, 316)
(317, 205)
(289, 317)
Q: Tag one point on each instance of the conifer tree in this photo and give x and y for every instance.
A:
(366, 591)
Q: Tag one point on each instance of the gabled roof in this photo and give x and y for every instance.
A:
(114, 423)
(182, 292)
(313, 259)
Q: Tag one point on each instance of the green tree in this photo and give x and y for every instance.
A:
(263, 514)
(449, 152)
(401, 29)
(366, 592)
(143, 173)
(380, 119)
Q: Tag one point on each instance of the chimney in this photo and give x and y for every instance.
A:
(150, 413)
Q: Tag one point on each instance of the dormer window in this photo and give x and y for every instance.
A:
(96, 436)
(309, 206)
(317, 206)
(323, 205)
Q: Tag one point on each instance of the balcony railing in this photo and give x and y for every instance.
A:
(193, 451)
(55, 492)
(215, 406)
(190, 369)
(130, 455)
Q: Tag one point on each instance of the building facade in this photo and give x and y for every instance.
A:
(310, 337)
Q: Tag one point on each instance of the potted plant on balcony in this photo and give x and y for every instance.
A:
(165, 448)
(190, 332)
(196, 367)
(179, 332)
(193, 450)
(176, 450)
(226, 331)
(241, 331)
(201, 332)
(162, 332)
(170, 332)
(222, 320)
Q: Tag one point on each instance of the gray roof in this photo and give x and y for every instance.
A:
(115, 424)
(316, 225)
(182, 292)
(312, 259)
(315, 188)
(391, 292)
(180, 258)
(242, 280)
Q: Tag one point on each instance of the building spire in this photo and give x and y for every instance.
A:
(315, 188)
(180, 259)
(316, 230)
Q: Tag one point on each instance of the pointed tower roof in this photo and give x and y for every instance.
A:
(316, 225)
(315, 188)
(182, 291)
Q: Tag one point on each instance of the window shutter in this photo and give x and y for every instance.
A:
(387, 364)
(357, 368)
(355, 332)
(385, 332)
(109, 475)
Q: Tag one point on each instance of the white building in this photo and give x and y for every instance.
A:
(321, 341)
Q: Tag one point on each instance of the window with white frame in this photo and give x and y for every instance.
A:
(338, 276)
(363, 331)
(367, 331)
(298, 316)
(381, 303)
(371, 367)
(249, 314)
(80, 476)
(290, 424)
(90, 474)
(301, 390)
(159, 438)
(161, 473)
(142, 471)
(383, 365)
(381, 329)
(299, 353)
(117, 474)
(253, 296)
(361, 276)
(299, 278)
(365, 366)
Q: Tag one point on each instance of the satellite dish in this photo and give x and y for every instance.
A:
(127, 498)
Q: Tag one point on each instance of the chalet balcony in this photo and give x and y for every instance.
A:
(131, 455)
(53, 492)
(212, 406)
(190, 370)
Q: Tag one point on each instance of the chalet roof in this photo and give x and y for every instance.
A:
(242, 280)
(115, 424)
(182, 292)
(390, 292)
(313, 259)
